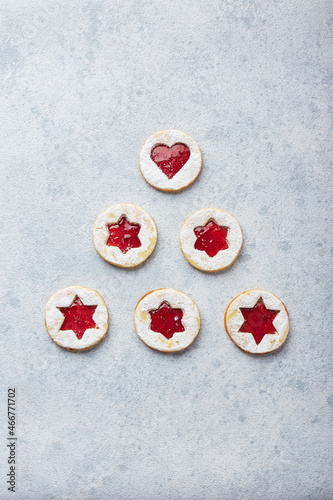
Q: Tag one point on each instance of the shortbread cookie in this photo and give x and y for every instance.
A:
(211, 239)
(257, 322)
(170, 160)
(125, 235)
(76, 318)
(167, 320)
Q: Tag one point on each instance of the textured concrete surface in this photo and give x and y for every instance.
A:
(83, 85)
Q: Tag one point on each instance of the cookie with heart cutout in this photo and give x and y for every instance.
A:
(125, 235)
(211, 239)
(170, 160)
(257, 322)
(167, 320)
(76, 318)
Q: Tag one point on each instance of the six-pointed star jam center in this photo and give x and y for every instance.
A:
(124, 235)
(170, 160)
(211, 238)
(166, 320)
(258, 320)
(78, 317)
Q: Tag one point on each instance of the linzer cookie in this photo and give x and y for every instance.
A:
(257, 322)
(167, 320)
(76, 318)
(170, 160)
(211, 239)
(125, 235)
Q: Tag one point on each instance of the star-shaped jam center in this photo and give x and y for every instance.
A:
(166, 320)
(211, 238)
(170, 160)
(124, 235)
(78, 317)
(258, 320)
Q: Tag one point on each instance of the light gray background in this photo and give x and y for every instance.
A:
(83, 85)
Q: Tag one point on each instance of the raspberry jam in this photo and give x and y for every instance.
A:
(124, 235)
(211, 238)
(78, 317)
(258, 320)
(170, 160)
(166, 320)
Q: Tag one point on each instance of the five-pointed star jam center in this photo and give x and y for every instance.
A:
(124, 235)
(211, 238)
(166, 320)
(258, 320)
(78, 317)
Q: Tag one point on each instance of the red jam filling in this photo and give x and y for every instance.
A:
(258, 320)
(78, 317)
(170, 160)
(124, 235)
(211, 238)
(166, 320)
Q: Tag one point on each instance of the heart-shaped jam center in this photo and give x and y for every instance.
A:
(170, 160)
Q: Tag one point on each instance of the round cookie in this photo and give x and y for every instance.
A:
(125, 235)
(76, 318)
(257, 322)
(170, 160)
(211, 239)
(167, 320)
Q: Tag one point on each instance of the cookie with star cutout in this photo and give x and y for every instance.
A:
(167, 320)
(211, 239)
(170, 160)
(257, 322)
(125, 235)
(76, 318)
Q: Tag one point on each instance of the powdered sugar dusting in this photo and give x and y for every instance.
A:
(54, 318)
(147, 235)
(234, 320)
(154, 175)
(200, 259)
(176, 299)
